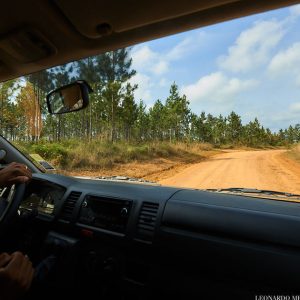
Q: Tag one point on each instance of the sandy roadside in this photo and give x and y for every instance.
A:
(265, 169)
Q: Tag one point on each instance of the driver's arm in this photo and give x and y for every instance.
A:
(16, 271)
(16, 274)
(14, 173)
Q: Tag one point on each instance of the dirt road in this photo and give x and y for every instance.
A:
(266, 169)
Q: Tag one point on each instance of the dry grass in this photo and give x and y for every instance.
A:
(106, 155)
(153, 169)
(294, 153)
(74, 155)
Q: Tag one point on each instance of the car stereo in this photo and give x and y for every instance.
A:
(106, 213)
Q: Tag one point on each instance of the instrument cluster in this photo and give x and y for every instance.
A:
(42, 197)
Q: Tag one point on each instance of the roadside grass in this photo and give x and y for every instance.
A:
(152, 161)
(294, 153)
(92, 155)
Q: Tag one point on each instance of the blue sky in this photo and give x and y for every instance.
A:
(250, 65)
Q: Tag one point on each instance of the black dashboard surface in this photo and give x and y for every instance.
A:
(236, 236)
(235, 216)
(240, 217)
(193, 210)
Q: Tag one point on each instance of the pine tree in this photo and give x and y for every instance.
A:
(177, 114)
(115, 72)
(142, 123)
(234, 127)
(29, 106)
(129, 110)
(7, 117)
(157, 120)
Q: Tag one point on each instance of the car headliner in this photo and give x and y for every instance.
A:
(35, 35)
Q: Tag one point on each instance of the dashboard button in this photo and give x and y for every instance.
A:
(124, 212)
(87, 233)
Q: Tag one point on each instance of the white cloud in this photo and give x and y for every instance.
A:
(160, 68)
(164, 82)
(146, 60)
(295, 10)
(216, 87)
(288, 116)
(295, 107)
(151, 66)
(180, 49)
(143, 57)
(231, 84)
(253, 47)
(187, 46)
(144, 87)
(287, 62)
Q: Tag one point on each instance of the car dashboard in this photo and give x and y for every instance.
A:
(137, 239)
(42, 197)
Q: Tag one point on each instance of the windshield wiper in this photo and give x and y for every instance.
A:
(125, 178)
(255, 191)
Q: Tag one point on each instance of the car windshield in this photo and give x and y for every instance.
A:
(212, 108)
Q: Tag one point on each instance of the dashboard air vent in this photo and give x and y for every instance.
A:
(69, 205)
(147, 220)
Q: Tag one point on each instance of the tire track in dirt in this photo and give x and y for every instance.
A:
(264, 169)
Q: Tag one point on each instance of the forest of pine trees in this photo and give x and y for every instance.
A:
(115, 115)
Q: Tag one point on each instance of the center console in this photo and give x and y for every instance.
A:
(105, 213)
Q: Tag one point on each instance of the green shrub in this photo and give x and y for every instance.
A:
(78, 154)
(49, 151)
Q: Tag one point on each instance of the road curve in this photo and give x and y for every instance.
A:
(265, 169)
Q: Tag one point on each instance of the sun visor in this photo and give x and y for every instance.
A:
(26, 46)
(96, 18)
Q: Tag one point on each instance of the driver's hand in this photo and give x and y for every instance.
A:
(14, 173)
(16, 274)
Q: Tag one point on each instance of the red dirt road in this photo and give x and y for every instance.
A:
(265, 169)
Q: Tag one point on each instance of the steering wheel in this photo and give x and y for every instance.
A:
(10, 205)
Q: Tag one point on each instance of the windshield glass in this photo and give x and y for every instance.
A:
(213, 108)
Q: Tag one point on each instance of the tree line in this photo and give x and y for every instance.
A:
(115, 115)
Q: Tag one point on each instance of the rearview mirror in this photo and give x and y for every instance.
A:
(69, 98)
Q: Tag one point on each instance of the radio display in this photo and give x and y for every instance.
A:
(106, 213)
